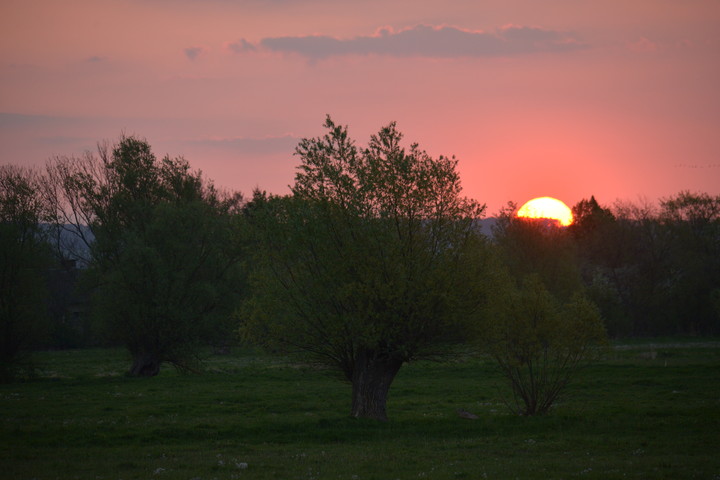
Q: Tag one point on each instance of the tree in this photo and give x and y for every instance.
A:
(602, 253)
(693, 224)
(375, 260)
(539, 247)
(24, 257)
(165, 255)
(540, 343)
(699, 210)
(652, 271)
(590, 220)
(640, 276)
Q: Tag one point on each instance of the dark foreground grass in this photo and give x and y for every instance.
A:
(645, 411)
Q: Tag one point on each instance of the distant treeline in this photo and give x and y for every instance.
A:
(651, 269)
(136, 241)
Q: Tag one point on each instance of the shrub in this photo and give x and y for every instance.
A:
(539, 344)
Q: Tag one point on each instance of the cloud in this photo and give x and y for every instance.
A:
(643, 45)
(425, 41)
(95, 59)
(10, 120)
(250, 145)
(241, 46)
(193, 52)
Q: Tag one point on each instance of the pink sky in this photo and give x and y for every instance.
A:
(567, 98)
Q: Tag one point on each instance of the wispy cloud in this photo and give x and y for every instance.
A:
(193, 52)
(251, 145)
(423, 41)
(643, 45)
(241, 46)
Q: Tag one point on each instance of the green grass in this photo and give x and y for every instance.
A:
(645, 411)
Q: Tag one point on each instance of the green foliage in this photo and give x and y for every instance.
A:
(540, 344)
(166, 254)
(373, 261)
(24, 256)
(173, 285)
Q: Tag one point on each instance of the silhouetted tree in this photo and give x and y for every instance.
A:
(589, 222)
(538, 246)
(602, 255)
(693, 223)
(641, 279)
(652, 271)
(24, 257)
(165, 254)
(373, 261)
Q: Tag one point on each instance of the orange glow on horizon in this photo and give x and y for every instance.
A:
(547, 207)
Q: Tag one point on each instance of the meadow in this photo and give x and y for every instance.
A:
(650, 409)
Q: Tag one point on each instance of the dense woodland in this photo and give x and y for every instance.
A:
(373, 260)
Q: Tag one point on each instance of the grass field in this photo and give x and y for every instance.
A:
(646, 411)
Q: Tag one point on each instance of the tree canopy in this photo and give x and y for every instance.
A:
(374, 260)
(165, 254)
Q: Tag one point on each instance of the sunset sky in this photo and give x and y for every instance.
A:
(567, 98)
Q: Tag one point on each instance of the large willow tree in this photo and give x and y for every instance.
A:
(164, 249)
(374, 260)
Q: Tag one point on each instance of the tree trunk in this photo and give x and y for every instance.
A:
(372, 375)
(145, 365)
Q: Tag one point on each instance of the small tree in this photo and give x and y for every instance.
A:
(540, 344)
(374, 260)
(165, 255)
(24, 257)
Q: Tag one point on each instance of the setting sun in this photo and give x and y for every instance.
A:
(547, 207)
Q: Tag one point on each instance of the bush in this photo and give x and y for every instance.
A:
(539, 344)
